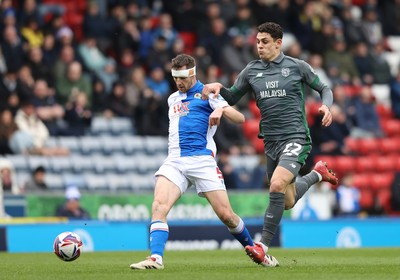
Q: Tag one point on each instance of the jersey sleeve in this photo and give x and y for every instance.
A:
(216, 103)
(311, 78)
(242, 85)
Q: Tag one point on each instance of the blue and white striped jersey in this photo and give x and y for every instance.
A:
(189, 131)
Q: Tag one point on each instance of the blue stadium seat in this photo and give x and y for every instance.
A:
(125, 164)
(96, 182)
(70, 142)
(117, 182)
(119, 126)
(54, 181)
(111, 144)
(100, 125)
(90, 145)
(74, 179)
(19, 162)
(82, 163)
(156, 144)
(36, 161)
(132, 144)
(60, 164)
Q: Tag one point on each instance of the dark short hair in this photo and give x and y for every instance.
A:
(272, 28)
(183, 60)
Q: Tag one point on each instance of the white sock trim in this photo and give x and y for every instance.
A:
(158, 258)
(239, 228)
(319, 176)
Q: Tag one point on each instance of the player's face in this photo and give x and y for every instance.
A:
(184, 83)
(267, 48)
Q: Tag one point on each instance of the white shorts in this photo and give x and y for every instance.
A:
(200, 171)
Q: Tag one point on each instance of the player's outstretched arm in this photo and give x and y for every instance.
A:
(233, 115)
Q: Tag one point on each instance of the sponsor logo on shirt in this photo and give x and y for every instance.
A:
(197, 95)
(259, 75)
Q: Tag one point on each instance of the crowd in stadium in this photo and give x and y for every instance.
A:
(62, 63)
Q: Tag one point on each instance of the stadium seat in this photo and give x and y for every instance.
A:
(343, 165)
(368, 146)
(100, 125)
(391, 127)
(381, 180)
(365, 163)
(60, 164)
(70, 142)
(156, 144)
(74, 179)
(352, 145)
(111, 144)
(385, 112)
(117, 182)
(96, 182)
(132, 144)
(51, 142)
(119, 126)
(142, 182)
(381, 93)
(90, 145)
(36, 161)
(386, 163)
(251, 128)
(82, 163)
(393, 42)
(330, 160)
(54, 181)
(103, 164)
(255, 111)
(148, 163)
(367, 200)
(361, 180)
(258, 145)
(384, 197)
(125, 163)
(19, 162)
(389, 145)
(22, 177)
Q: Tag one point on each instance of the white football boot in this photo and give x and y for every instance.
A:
(149, 263)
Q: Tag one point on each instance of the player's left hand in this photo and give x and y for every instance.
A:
(215, 117)
(210, 88)
(327, 115)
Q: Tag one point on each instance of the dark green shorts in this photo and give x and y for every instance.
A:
(290, 154)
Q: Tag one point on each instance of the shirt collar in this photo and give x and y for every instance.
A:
(277, 60)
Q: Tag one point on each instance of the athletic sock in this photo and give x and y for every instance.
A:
(158, 237)
(242, 234)
(273, 216)
(304, 183)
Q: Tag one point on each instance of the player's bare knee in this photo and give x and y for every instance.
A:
(159, 208)
(277, 186)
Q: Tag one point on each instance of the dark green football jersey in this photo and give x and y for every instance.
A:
(278, 87)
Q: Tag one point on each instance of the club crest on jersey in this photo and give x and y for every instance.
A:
(285, 72)
(197, 95)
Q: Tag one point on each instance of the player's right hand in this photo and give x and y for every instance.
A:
(210, 88)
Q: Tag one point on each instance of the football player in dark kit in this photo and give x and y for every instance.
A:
(277, 82)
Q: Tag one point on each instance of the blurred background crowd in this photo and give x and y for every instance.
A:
(66, 65)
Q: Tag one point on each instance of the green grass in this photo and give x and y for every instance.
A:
(310, 264)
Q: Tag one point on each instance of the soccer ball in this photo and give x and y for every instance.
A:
(67, 246)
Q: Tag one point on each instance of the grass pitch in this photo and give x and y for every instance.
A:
(310, 264)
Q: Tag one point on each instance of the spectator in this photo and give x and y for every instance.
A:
(66, 56)
(347, 198)
(74, 79)
(37, 180)
(364, 62)
(32, 33)
(134, 86)
(71, 208)
(339, 57)
(12, 49)
(8, 91)
(157, 81)
(25, 82)
(8, 178)
(50, 52)
(166, 30)
(395, 95)
(116, 102)
(32, 133)
(78, 115)
(99, 97)
(39, 68)
(365, 116)
(7, 128)
(380, 66)
(47, 107)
